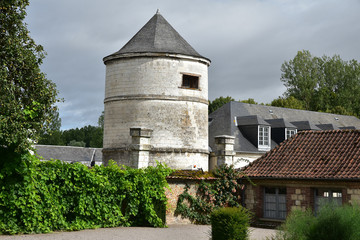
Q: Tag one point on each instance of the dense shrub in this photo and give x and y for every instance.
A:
(225, 191)
(230, 223)
(46, 196)
(331, 223)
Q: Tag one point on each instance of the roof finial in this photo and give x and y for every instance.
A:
(157, 11)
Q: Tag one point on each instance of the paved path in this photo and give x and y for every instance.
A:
(173, 232)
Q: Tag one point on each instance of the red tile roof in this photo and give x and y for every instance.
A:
(333, 154)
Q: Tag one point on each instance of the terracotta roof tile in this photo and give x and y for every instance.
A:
(333, 154)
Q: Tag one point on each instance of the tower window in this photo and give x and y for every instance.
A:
(190, 81)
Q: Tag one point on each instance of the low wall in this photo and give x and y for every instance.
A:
(177, 185)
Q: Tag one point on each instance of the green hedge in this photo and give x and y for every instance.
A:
(47, 196)
(230, 223)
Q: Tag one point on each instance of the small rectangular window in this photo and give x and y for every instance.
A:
(190, 81)
(324, 196)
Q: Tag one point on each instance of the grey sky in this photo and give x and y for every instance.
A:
(247, 41)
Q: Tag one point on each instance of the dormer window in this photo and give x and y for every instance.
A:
(256, 130)
(190, 81)
(290, 132)
(263, 136)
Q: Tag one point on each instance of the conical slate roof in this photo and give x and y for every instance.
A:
(157, 36)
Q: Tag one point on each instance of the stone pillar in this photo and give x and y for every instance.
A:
(212, 161)
(225, 149)
(140, 147)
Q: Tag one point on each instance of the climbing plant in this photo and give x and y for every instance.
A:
(40, 197)
(225, 191)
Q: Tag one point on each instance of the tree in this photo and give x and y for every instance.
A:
(74, 143)
(51, 134)
(250, 101)
(289, 102)
(218, 103)
(323, 84)
(26, 95)
(97, 138)
(101, 120)
(300, 76)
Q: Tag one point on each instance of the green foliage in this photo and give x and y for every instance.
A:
(101, 120)
(289, 102)
(223, 192)
(88, 136)
(76, 144)
(250, 101)
(47, 196)
(218, 103)
(332, 222)
(322, 83)
(26, 96)
(230, 223)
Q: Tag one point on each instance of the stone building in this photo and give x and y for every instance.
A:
(156, 101)
(252, 130)
(306, 171)
(70, 154)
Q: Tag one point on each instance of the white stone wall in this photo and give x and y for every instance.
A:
(146, 92)
(153, 76)
(176, 124)
(181, 160)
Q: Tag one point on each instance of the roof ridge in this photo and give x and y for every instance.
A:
(157, 14)
(305, 110)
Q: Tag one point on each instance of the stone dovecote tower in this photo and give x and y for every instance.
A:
(156, 101)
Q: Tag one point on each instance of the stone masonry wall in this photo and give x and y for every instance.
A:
(250, 197)
(153, 76)
(175, 124)
(299, 194)
(299, 198)
(353, 195)
(177, 188)
(147, 92)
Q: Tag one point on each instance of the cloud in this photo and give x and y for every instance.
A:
(246, 40)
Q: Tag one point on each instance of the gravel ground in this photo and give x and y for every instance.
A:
(173, 232)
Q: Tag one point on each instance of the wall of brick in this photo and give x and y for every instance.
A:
(352, 195)
(299, 198)
(299, 194)
(254, 199)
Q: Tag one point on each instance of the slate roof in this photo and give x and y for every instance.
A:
(322, 155)
(69, 154)
(157, 36)
(251, 120)
(280, 123)
(305, 125)
(224, 120)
